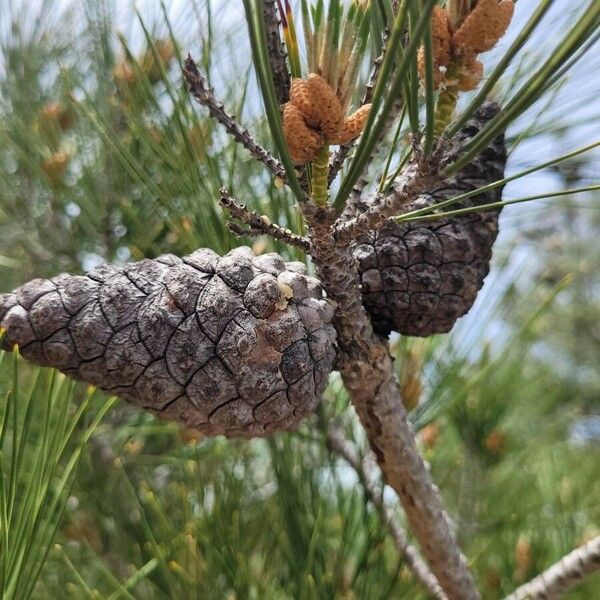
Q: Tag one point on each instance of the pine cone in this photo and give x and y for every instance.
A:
(303, 142)
(353, 125)
(240, 345)
(470, 74)
(441, 45)
(418, 278)
(483, 27)
(317, 101)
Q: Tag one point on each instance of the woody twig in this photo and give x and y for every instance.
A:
(259, 225)
(337, 443)
(205, 96)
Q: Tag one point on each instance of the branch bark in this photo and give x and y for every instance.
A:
(366, 368)
(276, 52)
(415, 178)
(414, 562)
(562, 576)
(260, 225)
(204, 96)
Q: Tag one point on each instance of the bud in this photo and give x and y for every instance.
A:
(55, 166)
(123, 75)
(303, 142)
(353, 125)
(151, 67)
(495, 442)
(430, 434)
(411, 367)
(483, 27)
(457, 11)
(470, 74)
(493, 579)
(411, 389)
(317, 101)
(55, 115)
(441, 38)
(314, 117)
(325, 105)
(523, 558)
(204, 340)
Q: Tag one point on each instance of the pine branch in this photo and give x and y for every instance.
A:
(562, 576)
(367, 371)
(259, 224)
(205, 96)
(276, 52)
(416, 178)
(353, 205)
(337, 443)
(423, 173)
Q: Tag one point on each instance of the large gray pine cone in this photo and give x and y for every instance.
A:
(418, 278)
(240, 345)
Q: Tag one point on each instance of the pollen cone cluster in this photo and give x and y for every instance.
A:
(418, 277)
(314, 117)
(240, 345)
(457, 43)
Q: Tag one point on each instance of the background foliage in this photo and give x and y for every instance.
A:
(104, 157)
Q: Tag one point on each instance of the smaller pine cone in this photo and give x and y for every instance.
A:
(442, 41)
(124, 75)
(314, 117)
(440, 33)
(457, 11)
(300, 97)
(470, 74)
(303, 142)
(327, 104)
(418, 278)
(483, 27)
(319, 104)
(353, 125)
(55, 166)
(55, 113)
(240, 345)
